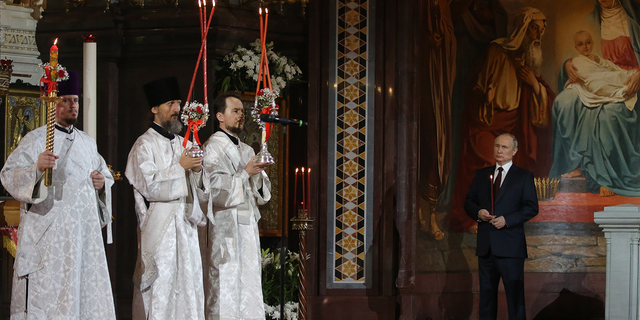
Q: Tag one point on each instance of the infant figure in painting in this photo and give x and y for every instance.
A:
(602, 81)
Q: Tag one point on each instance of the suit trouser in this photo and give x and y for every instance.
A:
(490, 269)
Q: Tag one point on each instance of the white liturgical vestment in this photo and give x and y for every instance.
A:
(60, 271)
(233, 274)
(168, 276)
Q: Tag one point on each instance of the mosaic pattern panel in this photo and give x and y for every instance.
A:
(350, 145)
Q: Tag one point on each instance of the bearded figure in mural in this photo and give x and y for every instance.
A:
(602, 142)
(507, 96)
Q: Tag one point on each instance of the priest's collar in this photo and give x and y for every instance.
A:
(68, 130)
(162, 131)
(233, 139)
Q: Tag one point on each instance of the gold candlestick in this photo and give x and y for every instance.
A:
(51, 101)
(302, 223)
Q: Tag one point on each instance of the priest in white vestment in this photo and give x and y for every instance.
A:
(167, 185)
(61, 271)
(237, 186)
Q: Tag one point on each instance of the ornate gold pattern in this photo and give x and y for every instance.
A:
(23, 113)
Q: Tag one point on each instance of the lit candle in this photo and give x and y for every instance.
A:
(295, 194)
(204, 57)
(261, 56)
(53, 63)
(308, 213)
(304, 194)
(264, 47)
(53, 54)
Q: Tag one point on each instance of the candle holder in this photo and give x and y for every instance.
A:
(195, 151)
(302, 222)
(264, 156)
(6, 69)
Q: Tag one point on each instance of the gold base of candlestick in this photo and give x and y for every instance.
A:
(52, 101)
(302, 222)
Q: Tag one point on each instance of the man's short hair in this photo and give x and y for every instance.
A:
(220, 105)
(515, 141)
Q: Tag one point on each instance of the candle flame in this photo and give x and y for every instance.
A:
(296, 170)
(308, 170)
(491, 177)
(55, 41)
(302, 169)
(213, 2)
(266, 10)
(260, 10)
(199, 5)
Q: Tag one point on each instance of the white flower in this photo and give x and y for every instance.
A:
(249, 65)
(255, 77)
(267, 261)
(245, 57)
(234, 66)
(240, 64)
(250, 73)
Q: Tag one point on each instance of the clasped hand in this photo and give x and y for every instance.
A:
(47, 160)
(253, 168)
(497, 222)
(189, 163)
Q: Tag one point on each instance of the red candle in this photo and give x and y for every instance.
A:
(308, 191)
(264, 48)
(295, 194)
(53, 54)
(213, 8)
(304, 194)
(261, 55)
(53, 62)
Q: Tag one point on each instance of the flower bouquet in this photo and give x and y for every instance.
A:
(194, 116)
(239, 69)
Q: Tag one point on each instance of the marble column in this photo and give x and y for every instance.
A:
(621, 226)
(18, 42)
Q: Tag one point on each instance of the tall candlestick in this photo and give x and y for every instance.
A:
(89, 82)
(295, 194)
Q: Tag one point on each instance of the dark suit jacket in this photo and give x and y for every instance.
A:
(517, 201)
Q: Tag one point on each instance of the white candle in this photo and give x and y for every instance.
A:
(89, 84)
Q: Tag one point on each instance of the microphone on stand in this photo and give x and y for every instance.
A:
(283, 121)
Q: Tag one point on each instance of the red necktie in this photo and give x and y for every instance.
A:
(496, 183)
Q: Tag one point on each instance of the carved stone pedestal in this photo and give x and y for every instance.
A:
(621, 226)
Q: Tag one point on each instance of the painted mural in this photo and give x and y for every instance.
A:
(564, 81)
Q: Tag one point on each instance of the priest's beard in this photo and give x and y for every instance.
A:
(533, 56)
(173, 126)
(68, 121)
(235, 130)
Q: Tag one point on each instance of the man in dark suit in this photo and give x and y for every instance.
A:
(501, 199)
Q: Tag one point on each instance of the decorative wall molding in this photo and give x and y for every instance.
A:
(349, 222)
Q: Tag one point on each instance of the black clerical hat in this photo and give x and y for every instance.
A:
(162, 90)
(69, 86)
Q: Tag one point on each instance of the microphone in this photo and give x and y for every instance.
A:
(265, 117)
